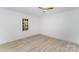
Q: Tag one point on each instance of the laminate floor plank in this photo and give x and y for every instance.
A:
(39, 43)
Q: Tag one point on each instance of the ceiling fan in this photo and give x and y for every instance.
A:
(44, 9)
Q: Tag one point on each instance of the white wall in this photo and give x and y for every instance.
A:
(11, 26)
(63, 25)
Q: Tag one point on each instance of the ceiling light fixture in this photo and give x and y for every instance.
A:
(46, 8)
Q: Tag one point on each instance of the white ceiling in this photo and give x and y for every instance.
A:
(37, 11)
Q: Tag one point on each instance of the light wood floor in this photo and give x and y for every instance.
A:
(39, 43)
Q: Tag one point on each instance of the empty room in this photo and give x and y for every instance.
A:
(39, 29)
